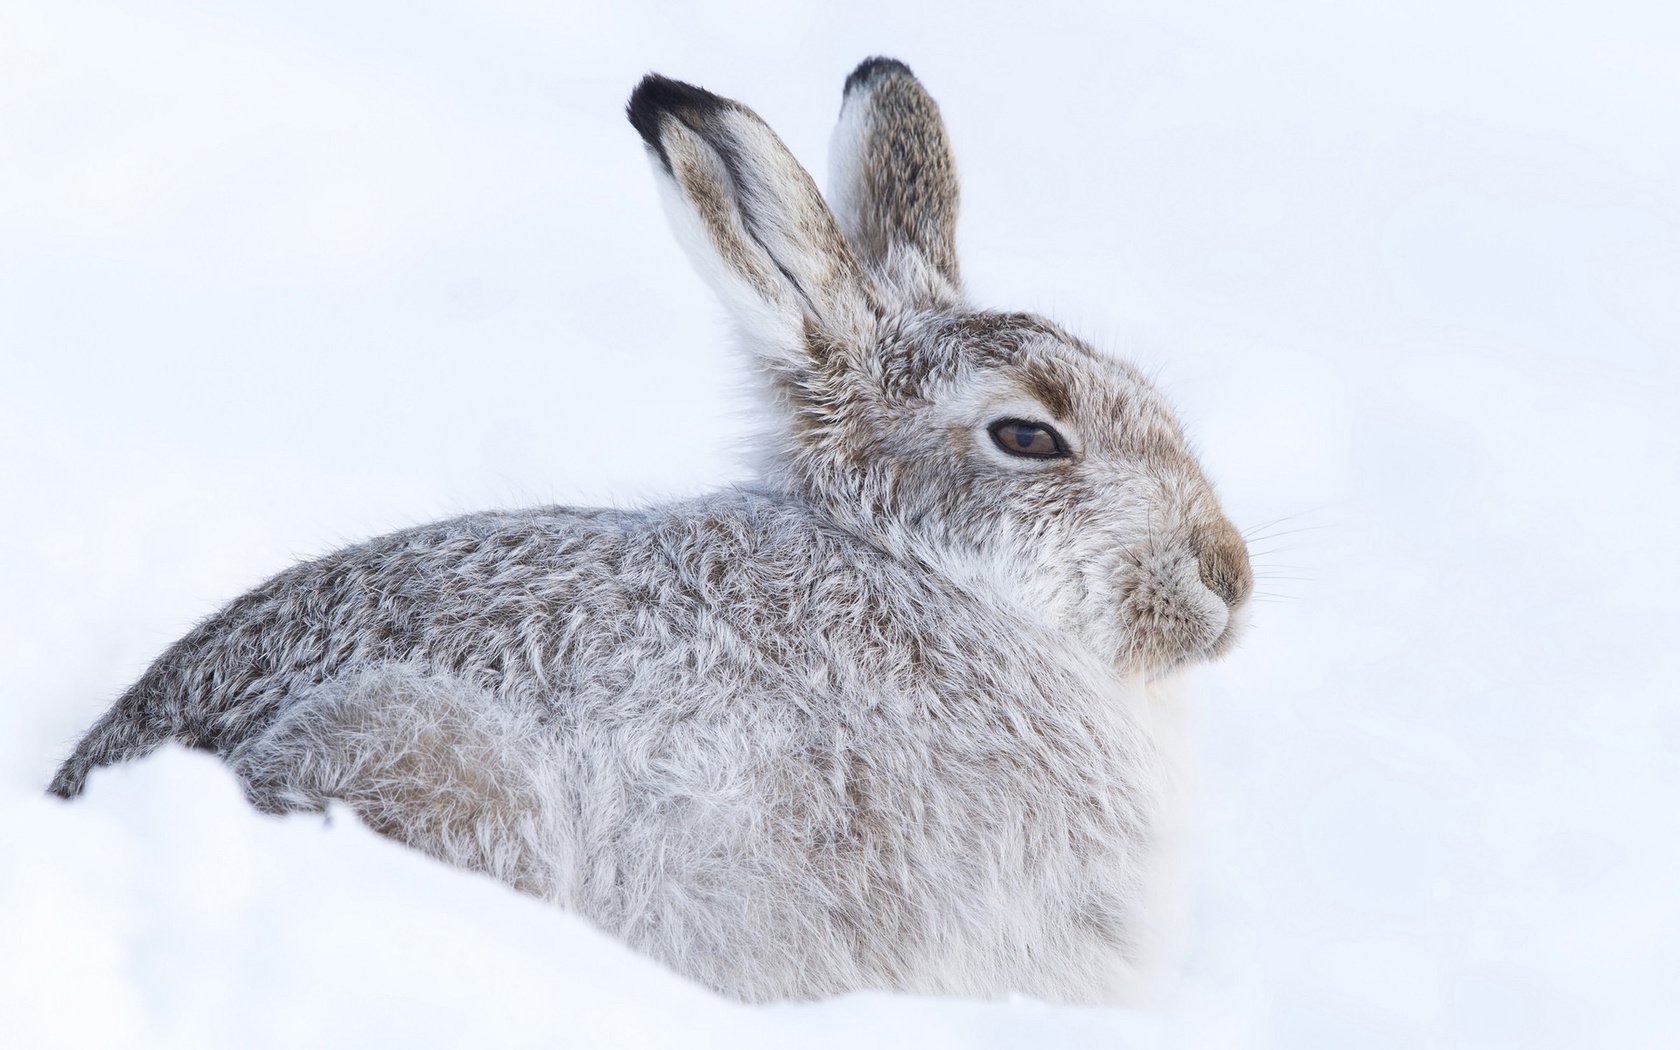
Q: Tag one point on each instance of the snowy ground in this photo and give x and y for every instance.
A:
(276, 277)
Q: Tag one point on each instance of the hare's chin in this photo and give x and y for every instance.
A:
(1203, 652)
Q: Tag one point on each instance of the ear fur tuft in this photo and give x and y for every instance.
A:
(871, 69)
(657, 95)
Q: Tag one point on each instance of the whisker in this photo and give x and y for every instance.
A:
(1268, 551)
(1260, 527)
(1289, 532)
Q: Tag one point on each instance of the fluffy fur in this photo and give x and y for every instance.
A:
(872, 721)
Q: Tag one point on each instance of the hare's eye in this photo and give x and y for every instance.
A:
(1018, 437)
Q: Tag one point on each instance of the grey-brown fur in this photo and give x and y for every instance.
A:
(874, 720)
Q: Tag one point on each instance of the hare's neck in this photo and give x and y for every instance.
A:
(998, 580)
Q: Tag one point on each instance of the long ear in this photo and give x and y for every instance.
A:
(753, 222)
(893, 181)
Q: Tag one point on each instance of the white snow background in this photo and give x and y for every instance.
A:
(276, 277)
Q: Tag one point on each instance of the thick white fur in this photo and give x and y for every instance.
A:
(724, 852)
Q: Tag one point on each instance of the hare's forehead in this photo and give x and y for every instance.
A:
(1059, 383)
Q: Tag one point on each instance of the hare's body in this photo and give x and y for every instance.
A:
(577, 701)
(870, 722)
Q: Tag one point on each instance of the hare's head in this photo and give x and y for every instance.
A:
(993, 446)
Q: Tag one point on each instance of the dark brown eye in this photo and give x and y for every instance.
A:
(1018, 437)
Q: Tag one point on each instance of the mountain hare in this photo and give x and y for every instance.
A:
(870, 721)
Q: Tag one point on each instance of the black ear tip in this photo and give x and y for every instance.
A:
(656, 95)
(873, 69)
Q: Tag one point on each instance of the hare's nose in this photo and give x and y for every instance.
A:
(1224, 561)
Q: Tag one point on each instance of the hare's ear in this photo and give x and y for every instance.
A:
(893, 182)
(753, 222)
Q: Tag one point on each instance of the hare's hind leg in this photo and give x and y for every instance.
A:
(432, 760)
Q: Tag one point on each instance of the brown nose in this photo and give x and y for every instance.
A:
(1224, 561)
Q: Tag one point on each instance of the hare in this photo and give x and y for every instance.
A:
(872, 721)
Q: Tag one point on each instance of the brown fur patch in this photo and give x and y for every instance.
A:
(1050, 389)
(1224, 560)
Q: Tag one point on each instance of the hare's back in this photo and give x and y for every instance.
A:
(568, 609)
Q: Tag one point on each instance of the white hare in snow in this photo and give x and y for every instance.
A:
(870, 721)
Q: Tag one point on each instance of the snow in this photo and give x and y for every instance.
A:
(277, 277)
